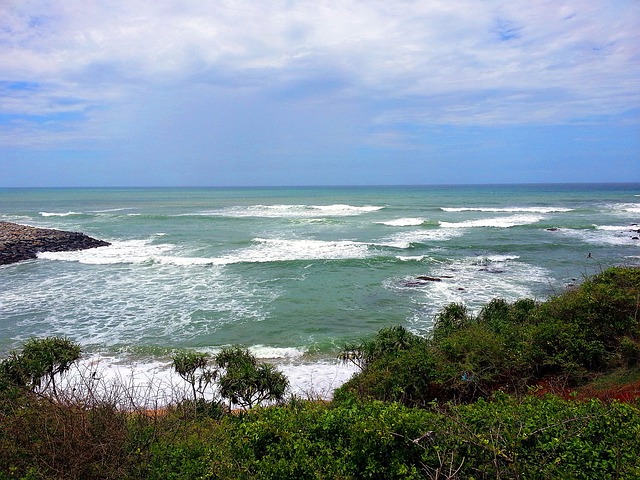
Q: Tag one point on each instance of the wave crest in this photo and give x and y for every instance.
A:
(498, 222)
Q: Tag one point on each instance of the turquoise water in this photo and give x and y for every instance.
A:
(293, 273)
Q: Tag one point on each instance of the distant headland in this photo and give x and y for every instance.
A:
(22, 242)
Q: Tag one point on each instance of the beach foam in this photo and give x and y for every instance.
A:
(154, 384)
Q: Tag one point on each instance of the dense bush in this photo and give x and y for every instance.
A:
(501, 438)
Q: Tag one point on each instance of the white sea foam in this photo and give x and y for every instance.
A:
(24, 219)
(612, 228)
(277, 353)
(139, 304)
(602, 235)
(294, 211)
(154, 384)
(127, 251)
(408, 239)
(266, 352)
(498, 222)
(625, 208)
(403, 222)
(59, 214)
(262, 250)
(279, 250)
(411, 258)
(495, 259)
(508, 209)
(110, 210)
(317, 380)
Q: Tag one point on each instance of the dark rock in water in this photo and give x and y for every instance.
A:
(424, 278)
(491, 270)
(552, 229)
(21, 242)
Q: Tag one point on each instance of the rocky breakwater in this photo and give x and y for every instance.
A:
(21, 242)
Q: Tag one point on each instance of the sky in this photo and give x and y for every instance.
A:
(343, 92)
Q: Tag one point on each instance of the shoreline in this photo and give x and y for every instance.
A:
(22, 242)
(153, 383)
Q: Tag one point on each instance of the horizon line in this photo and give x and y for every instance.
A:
(380, 185)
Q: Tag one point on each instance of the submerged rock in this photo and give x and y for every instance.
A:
(22, 242)
(421, 280)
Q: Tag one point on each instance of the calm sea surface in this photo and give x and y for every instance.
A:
(294, 273)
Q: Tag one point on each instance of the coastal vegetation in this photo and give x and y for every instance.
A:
(511, 347)
(519, 390)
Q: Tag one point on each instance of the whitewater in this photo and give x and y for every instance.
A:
(295, 273)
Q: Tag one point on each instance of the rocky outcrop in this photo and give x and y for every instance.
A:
(21, 242)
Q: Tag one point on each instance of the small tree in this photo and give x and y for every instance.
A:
(247, 382)
(39, 362)
(193, 368)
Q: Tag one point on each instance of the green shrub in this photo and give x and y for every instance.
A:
(502, 437)
(452, 317)
(388, 341)
(630, 350)
(407, 376)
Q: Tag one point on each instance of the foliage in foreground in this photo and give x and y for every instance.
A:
(502, 437)
(508, 346)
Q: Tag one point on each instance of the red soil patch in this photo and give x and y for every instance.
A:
(626, 392)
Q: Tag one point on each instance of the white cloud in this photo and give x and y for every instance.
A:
(454, 62)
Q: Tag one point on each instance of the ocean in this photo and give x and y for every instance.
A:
(295, 273)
